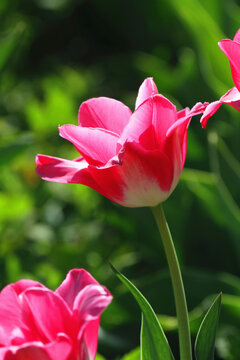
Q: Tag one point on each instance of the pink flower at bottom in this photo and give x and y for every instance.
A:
(134, 159)
(39, 324)
(231, 49)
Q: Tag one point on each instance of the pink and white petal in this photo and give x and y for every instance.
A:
(147, 89)
(237, 36)
(105, 113)
(64, 171)
(91, 301)
(183, 121)
(232, 98)
(232, 50)
(148, 176)
(198, 109)
(182, 113)
(24, 284)
(26, 352)
(12, 326)
(56, 169)
(96, 145)
(59, 349)
(76, 280)
(142, 179)
(149, 123)
(140, 128)
(209, 111)
(176, 145)
(47, 313)
(88, 340)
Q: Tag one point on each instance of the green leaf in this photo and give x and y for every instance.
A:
(99, 357)
(204, 345)
(133, 355)
(154, 344)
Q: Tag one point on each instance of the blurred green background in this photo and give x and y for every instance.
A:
(54, 54)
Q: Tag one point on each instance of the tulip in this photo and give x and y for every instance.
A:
(134, 159)
(231, 49)
(40, 324)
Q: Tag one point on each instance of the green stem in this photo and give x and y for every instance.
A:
(177, 283)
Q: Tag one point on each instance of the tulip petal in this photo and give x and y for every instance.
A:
(105, 113)
(52, 315)
(64, 171)
(96, 145)
(147, 175)
(210, 110)
(184, 116)
(176, 145)
(88, 340)
(91, 301)
(12, 325)
(149, 123)
(59, 349)
(237, 36)
(147, 89)
(143, 177)
(232, 98)
(78, 172)
(88, 307)
(232, 50)
(182, 113)
(76, 280)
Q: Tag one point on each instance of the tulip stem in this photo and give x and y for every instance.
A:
(177, 283)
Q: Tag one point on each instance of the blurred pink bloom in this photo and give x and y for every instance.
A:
(133, 159)
(231, 49)
(39, 324)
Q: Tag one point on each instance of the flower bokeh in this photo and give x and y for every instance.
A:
(134, 159)
(40, 324)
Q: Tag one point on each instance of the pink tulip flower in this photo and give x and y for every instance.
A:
(134, 159)
(39, 324)
(231, 49)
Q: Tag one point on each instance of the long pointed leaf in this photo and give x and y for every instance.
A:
(204, 345)
(154, 344)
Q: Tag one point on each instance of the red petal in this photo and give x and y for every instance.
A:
(96, 145)
(75, 281)
(12, 325)
(232, 98)
(48, 313)
(147, 89)
(105, 113)
(64, 171)
(89, 340)
(91, 301)
(57, 350)
(237, 36)
(149, 123)
(143, 179)
(232, 50)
